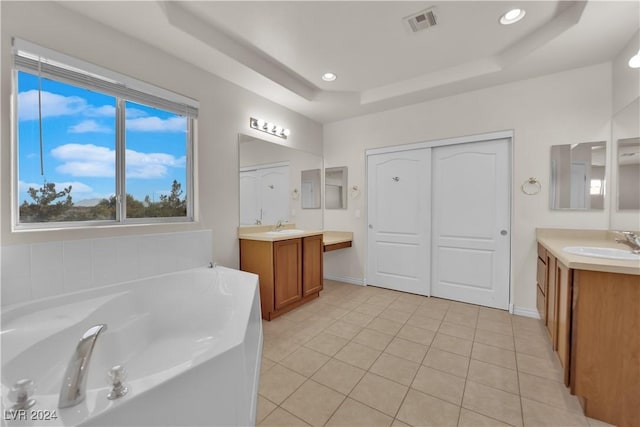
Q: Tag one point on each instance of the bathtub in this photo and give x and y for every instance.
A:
(191, 342)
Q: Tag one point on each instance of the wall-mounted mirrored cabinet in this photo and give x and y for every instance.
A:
(629, 173)
(578, 176)
(270, 184)
(310, 185)
(335, 188)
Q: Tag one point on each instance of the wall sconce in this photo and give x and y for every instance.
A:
(268, 127)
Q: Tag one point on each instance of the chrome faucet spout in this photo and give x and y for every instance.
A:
(630, 239)
(74, 382)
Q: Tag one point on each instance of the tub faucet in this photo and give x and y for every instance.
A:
(74, 382)
(631, 239)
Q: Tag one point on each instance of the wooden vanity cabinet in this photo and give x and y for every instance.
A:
(312, 277)
(541, 279)
(605, 346)
(593, 320)
(554, 304)
(287, 271)
(290, 271)
(564, 289)
(547, 286)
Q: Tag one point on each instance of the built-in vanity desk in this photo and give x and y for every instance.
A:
(591, 309)
(334, 240)
(289, 263)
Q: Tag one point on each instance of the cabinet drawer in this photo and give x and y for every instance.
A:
(542, 252)
(541, 276)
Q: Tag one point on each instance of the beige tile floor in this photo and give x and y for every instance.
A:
(367, 356)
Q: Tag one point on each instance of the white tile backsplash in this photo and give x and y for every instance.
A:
(16, 261)
(16, 274)
(45, 269)
(46, 258)
(77, 258)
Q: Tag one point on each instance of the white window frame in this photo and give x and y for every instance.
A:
(122, 88)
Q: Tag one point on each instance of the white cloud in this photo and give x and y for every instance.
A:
(53, 105)
(76, 186)
(94, 161)
(156, 124)
(102, 111)
(133, 113)
(87, 126)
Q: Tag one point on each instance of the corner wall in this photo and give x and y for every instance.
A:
(564, 108)
(625, 124)
(224, 112)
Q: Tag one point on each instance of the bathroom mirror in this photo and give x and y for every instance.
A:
(270, 184)
(310, 185)
(578, 176)
(625, 177)
(335, 188)
(629, 173)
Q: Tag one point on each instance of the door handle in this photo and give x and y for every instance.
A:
(503, 232)
(371, 226)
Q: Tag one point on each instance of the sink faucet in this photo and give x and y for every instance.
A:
(631, 239)
(74, 382)
(280, 224)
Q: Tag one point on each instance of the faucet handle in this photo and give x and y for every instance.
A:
(21, 392)
(117, 375)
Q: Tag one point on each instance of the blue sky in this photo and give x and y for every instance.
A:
(79, 142)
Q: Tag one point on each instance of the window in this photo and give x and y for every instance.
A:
(95, 150)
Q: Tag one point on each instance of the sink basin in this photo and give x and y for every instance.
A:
(609, 253)
(285, 231)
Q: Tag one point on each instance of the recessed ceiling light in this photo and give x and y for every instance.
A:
(634, 62)
(512, 16)
(329, 77)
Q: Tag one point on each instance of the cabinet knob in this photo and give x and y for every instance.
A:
(371, 226)
(503, 232)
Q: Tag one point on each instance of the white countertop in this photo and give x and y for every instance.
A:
(554, 240)
(268, 236)
(264, 233)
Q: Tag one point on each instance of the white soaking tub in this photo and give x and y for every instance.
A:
(191, 343)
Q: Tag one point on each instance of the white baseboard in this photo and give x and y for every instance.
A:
(345, 279)
(526, 312)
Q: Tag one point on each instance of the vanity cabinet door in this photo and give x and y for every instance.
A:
(552, 305)
(312, 264)
(541, 300)
(287, 259)
(565, 295)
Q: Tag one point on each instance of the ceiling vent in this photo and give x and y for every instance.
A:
(421, 21)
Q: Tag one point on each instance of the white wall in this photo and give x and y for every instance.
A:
(626, 80)
(224, 112)
(564, 108)
(625, 124)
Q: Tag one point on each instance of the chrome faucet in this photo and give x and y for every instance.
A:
(74, 382)
(279, 224)
(631, 239)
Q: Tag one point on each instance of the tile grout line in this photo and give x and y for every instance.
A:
(518, 373)
(466, 377)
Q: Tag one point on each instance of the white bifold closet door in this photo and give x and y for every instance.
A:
(398, 218)
(471, 223)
